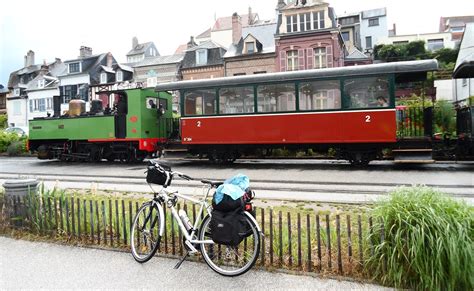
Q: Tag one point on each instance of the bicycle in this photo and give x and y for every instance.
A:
(149, 225)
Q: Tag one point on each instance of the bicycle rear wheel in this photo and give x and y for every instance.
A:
(145, 233)
(230, 260)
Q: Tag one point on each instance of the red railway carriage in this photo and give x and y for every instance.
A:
(351, 109)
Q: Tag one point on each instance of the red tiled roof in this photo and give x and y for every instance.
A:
(181, 48)
(225, 23)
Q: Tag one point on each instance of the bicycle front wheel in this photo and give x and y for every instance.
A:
(145, 233)
(230, 260)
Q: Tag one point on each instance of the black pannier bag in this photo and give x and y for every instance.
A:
(159, 174)
(228, 204)
(229, 228)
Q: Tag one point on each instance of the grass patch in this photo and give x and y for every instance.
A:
(427, 241)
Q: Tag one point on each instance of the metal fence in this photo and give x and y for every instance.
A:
(301, 241)
(414, 122)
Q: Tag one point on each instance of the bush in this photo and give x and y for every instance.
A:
(428, 241)
(16, 148)
(3, 121)
(6, 139)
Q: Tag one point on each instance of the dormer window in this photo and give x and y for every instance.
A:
(250, 47)
(119, 76)
(16, 92)
(74, 68)
(41, 84)
(103, 78)
(201, 57)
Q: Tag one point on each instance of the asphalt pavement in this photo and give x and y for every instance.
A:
(35, 265)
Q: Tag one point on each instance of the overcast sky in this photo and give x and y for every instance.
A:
(53, 28)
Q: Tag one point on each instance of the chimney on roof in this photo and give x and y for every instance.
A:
(281, 4)
(85, 52)
(30, 58)
(134, 42)
(44, 68)
(110, 60)
(191, 43)
(236, 28)
(250, 16)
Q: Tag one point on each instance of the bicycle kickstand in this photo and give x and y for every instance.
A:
(181, 260)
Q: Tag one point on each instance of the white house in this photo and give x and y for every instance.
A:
(373, 27)
(433, 41)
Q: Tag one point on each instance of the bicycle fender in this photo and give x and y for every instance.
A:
(254, 221)
(162, 217)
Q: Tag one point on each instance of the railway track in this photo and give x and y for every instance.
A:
(336, 192)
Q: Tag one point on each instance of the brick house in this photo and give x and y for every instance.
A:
(307, 36)
(204, 61)
(252, 50)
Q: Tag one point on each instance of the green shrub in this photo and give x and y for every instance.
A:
(3, 121)
(16, 148)
(6, 139)
(428, 241)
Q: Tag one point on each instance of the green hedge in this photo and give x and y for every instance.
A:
(429, 240)
(12, 143)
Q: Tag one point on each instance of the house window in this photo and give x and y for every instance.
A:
(74, 68)
(69, 92)
(368, 42)
(49, 103)
(16, 92)
(400, 42)
(119, 76)
(151, 82)
(41, 84)
(345, 35)
(250, 47)
(42, 105)
(374, 21)
(103, 78)
(318, 20)
(292, 60)
(201, 57)
(32, 105)
(320, 60)
(292, 23)
(435, 44)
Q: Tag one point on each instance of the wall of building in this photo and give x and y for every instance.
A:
(444, 90)
(305, 46)
(203, 73)
(41, 94)
(162, 73)
(463, 88)
(222, 37)
(302, 10)
(376, 32)
(446, 36)
(249, 66)
(17, 110)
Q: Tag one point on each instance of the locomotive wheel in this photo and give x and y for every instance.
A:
(95, 154)
(359, 159)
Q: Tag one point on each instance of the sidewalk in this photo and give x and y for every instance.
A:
(31, 265)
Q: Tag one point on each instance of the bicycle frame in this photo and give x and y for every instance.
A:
(164, 194)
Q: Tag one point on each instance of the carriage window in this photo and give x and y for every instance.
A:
(151, 103)
(367, 92)
(236, 100)
(200, 102)
(320, 95)
(276, 98)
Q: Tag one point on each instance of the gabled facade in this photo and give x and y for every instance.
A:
(80, 74)
(141, 51)
(3, 99)
(21, 83)
(307, 36)
(204, 61)
(350, 30)
(455, 25)
(221, 31)
(252, 50)
(153, 71)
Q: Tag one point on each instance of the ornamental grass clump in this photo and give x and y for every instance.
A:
(423, 240)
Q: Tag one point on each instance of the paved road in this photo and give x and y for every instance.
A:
(28, 265)
(309, 180)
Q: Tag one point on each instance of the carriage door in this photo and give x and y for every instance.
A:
(121, 117)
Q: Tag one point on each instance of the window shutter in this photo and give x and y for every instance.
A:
(282, 61)
(309, 53)
(301, 59)
(329, 56)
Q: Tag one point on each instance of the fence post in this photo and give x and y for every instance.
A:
(349, 238)
(280, 239)
(55, 205)
(262, 211)
(271, 237)
(299, 240)
(73, 218)
(50, 215)
(91, 216)
(124, 223)
(361, 253)
(117, 221)
(67, 217)
(111, 233)
(290, 257)
(104, 221)
(318, 239)
(98, 221)
(328, 231)
(308, 236)
(338, 234)
(78, 217)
